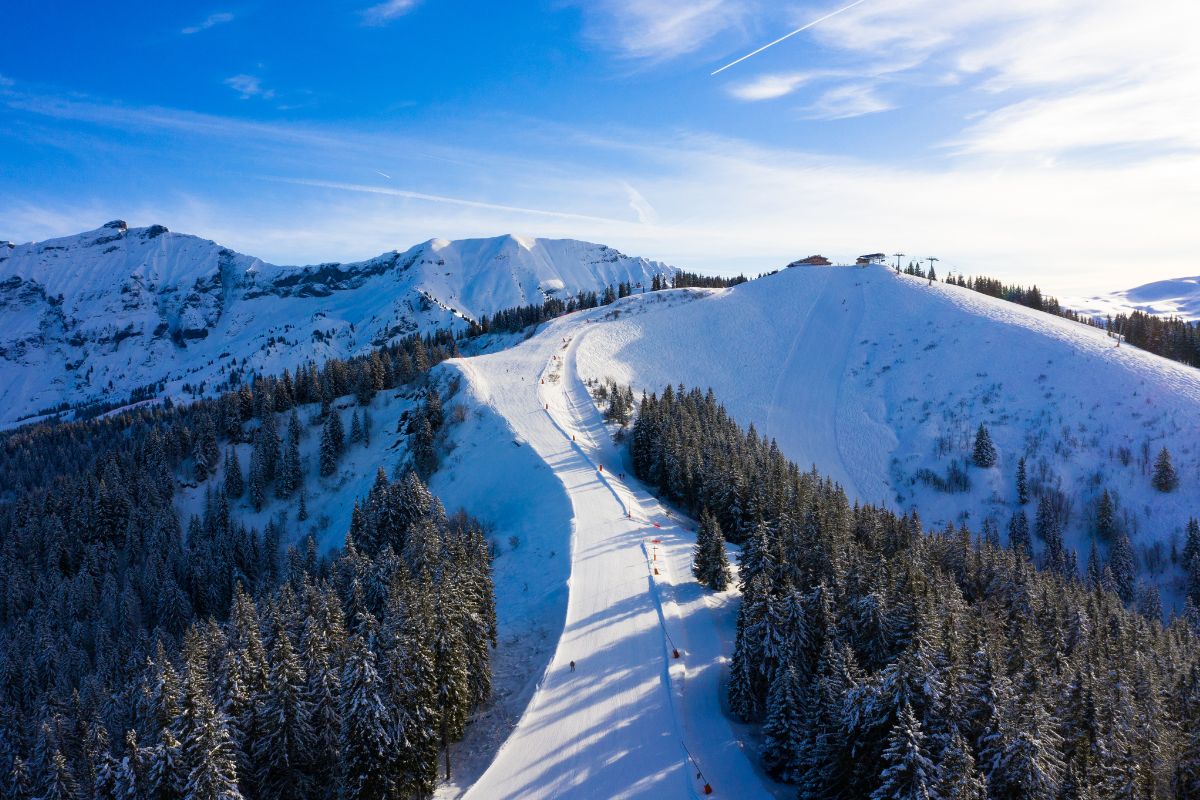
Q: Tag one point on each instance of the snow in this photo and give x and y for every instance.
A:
(92, 317)
(873, 376)
(623, 722)
(1178, 297)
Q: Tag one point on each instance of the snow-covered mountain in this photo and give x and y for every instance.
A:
(95, 316)
(1178, 297)
(881, 381)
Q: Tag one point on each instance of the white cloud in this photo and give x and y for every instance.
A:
(849, 100)
(249, 86)
(658, 30)
(387, 11)
(770, 87)
(719, 204)
(211, 21)
(1057, 76)
(646, 213)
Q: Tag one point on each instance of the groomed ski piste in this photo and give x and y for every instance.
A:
(639, 713)
(861, 372)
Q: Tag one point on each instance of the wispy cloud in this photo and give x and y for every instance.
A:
(646, 213)
(718, 203)
(772, 86)
(658, 30)
(385, 12)
(5, 81)
(1053, 77)
(249, 86)
(850, 100)
(211, 21)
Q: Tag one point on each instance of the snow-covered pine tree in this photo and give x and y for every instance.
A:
(60, 783)
(367, 726)
(205, 450)
(984, 452)
(356, 433)
(1106, 518)
(235, 484)
(1049, 530)
(1018, 534)
(1124, 571)
(960, 778)
(290, 471)
(283, 752)
(1022, 483)
(424, 455)
(332, 443)
(909, 774)
(784, 730)
(710, 564)
(1165, 479)
(322, 642)
(1191, 541)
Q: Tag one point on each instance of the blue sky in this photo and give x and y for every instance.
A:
(1048, 139)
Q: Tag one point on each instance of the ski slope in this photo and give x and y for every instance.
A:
(630, 718)
(876, 377)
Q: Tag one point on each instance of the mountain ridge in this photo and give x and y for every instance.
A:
(98, 315)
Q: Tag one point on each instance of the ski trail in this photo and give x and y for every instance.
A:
(631, 720)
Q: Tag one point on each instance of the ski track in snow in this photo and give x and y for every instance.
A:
(618, 725)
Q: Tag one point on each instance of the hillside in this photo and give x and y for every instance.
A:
(882, 380)
(1177, 297)
(94, 317)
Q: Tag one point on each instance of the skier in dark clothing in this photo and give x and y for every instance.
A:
(572, 666)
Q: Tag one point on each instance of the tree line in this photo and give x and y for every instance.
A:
(1169, 336)
(145, 656)
(886, 661)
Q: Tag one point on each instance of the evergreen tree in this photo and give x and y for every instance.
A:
(1049, 530)
(784, 728)
(366, 728)
(205, 450)
(1022, 483)
(356, 432)
(235, 485)
(60, 781)
(213, 774)
(291, 474)
(909, 774)
(1165, 479)
(1018, 534)
(959, 778)
(984, 452)
(1122, 567)
(1106, 520)
(710, 564)
(284, 750)
(424, 455)
(332, 443)
(1191, 543)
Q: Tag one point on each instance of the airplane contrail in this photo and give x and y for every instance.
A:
(389, 177)
(801, 29)
(437, 198)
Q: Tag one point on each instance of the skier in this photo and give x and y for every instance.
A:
(572, 666)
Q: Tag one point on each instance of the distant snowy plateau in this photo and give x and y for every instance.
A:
(1177, 297)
